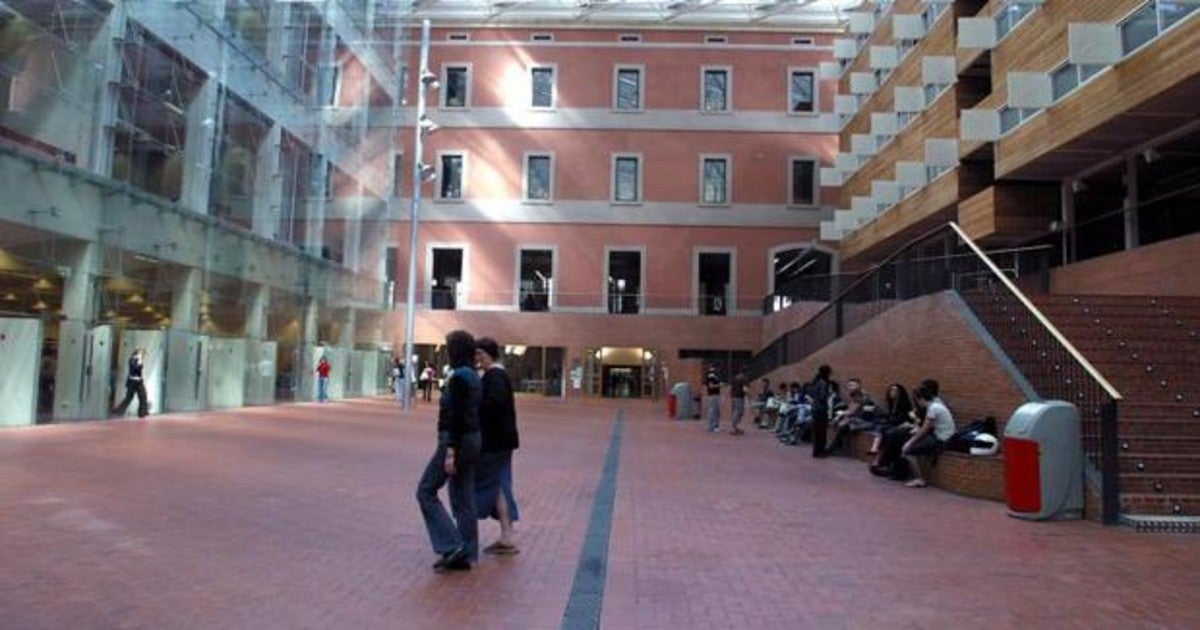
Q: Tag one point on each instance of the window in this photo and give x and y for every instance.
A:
(450, 176)
(539, 177)
(933, 12)
(629, 38)
(905, 46)
(716, 39)
(458, 37)
(714, 179)
(713, 284)
(456, 86)
(623, 279)
(627, 89)
(1152, 19)
(1012, 117)
(627, 178)
(1069, 76)
(535, 279)
(446, 278)
(1010, 15)
(542, 37)
(802, 92)
(802, 182)
(542, 87)
(903, 119)
(933, 91)
(715, 90)
(802, 41)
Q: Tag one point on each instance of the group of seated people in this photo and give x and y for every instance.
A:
(904, 428)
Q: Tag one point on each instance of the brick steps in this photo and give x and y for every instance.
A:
(1163, 410)
(1129, 427)
(1159, 463)
(1156, 445)
(1162, 483)
(1160, 504)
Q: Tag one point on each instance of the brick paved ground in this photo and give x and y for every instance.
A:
(303, 517)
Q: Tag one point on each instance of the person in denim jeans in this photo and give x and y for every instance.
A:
(455, 540)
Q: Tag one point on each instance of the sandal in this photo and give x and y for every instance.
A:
(916, 483)
(501, 549)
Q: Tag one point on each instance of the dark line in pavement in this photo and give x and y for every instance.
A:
(587, 591)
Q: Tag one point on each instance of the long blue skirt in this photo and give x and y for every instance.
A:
(492, 476)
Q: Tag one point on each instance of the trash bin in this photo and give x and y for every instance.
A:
(671, 402)
(682, 392)
(1043, 462)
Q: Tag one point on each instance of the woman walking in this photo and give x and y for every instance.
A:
(135, 384)
(498, 426)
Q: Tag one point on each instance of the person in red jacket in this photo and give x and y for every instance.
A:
(323, 369)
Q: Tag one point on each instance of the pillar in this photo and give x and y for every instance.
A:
(199, 158)
(83, 366)
(306, 388)
(268, 186)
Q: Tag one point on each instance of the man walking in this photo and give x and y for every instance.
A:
(712, 387)
(737, 394)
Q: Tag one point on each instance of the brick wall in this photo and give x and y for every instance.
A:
(1166, 268)
(978, 477)
(922, 338)
(790, 318)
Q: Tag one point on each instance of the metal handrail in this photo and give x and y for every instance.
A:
(1038, 315)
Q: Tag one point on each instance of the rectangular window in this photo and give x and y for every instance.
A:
(451, 176)
(627, 179)
(932, 13)
(715, 90)
(802, 41)
(716, 39)
(802, 91)
(458, 37)
(714, 180)
(536, 279)
(542, 85)
(1010, 15)
(542, 37)
(803, 182)
(628, 89)
(446, 279)
(933, 91)
(1063, 80)
(1012, 117)
(1139, 28)
(629, 38)
(714, 277)
(539, 177)
(624, 281)
(456, 86)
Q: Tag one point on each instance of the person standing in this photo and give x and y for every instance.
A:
(498, 427)
(135, 384)
(820, 391)
(426, 381)
(737, 394)
(712, 387)
(398, 379)
(323, 369)
(454, 460)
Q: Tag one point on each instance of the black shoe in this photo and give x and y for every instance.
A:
(881, 471)
(453, 561)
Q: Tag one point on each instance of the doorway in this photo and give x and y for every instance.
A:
(446, 278)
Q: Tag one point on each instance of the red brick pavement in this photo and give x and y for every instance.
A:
(303, 517)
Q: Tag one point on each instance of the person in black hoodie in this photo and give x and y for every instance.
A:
(135, 384)
(498, 426)
(454, 461)
(820, 391)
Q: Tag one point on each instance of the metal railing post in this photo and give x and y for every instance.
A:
(1109, 465)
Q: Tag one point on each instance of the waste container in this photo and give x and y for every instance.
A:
(671, 402)
(1043, 462)
(682, 392)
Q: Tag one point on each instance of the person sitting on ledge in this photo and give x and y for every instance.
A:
(929, 438)
(897, 407)
(859, 414)
(760, 404)
(800, 422)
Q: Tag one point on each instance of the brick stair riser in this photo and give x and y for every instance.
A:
(1159, 505)
(1173, 411)
(1171, 484)
(1172, 464)
(1127, 428)
(1167, 446)
(1119, 300)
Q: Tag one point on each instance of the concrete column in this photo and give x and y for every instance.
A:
(185, 301)
(305, 378)
(256, 313)
(80, 391)
(105, 54)
(346, 332)
(268, 186)
(203, 125)
(352, 233)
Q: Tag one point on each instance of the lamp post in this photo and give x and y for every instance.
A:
(423, 125)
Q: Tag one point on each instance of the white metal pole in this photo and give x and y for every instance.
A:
(414, 221)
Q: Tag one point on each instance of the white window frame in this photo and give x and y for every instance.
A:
(608, 251)
(1000, 11)
(816, 99)
(522, 247)
(641, 70)
(791, 192)
(732, 297)
(728, 70)
(553, 68)
(525, 177)
(443, 93)
(461, 296)
(728, 159)
(441, 176)
(612, 179)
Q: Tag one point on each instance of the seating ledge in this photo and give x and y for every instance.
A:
(960, 473)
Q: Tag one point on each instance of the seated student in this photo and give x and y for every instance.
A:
(859, 414)
(801, 425)
(781, 404)
(932, 433)
(789, 411)
(760, 403)
(897, 406)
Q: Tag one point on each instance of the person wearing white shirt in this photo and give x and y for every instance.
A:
(933, 432)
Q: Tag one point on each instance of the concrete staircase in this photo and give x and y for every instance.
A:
(1149, 349)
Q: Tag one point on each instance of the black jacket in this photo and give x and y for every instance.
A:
(498, 413)
(458, 412)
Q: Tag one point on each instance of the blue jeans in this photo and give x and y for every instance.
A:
(738, 408)
(445, 534)
(322, 388)
(714, 412)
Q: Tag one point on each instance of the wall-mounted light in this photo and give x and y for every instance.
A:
(427, 126)
(428, 172)
(429, 80)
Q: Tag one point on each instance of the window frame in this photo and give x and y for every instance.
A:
(728, 159)
(525, 198)
(728, 70)
(1001, 13)
(816, 90)
(816, 178)
(553, 68)
(461, 298)
(609, 250)
(612, 179)
(616, 81)
(732, 297)
(462, 184)
(444, 93)
(552, 298)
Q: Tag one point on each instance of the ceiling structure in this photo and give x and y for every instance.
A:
(660, 13)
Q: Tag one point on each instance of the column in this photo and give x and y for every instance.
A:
(268, 186)
(186, 387)
(306, 389)
(84, 363)
(203, 127)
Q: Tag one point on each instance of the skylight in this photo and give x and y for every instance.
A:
(764, 13)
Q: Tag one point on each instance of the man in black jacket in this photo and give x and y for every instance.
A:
(819, 391)
(498, 426)
(454, 461)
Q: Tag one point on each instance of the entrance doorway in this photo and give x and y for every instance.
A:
(622, 372)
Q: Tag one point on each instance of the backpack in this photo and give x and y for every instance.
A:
(962, 439)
